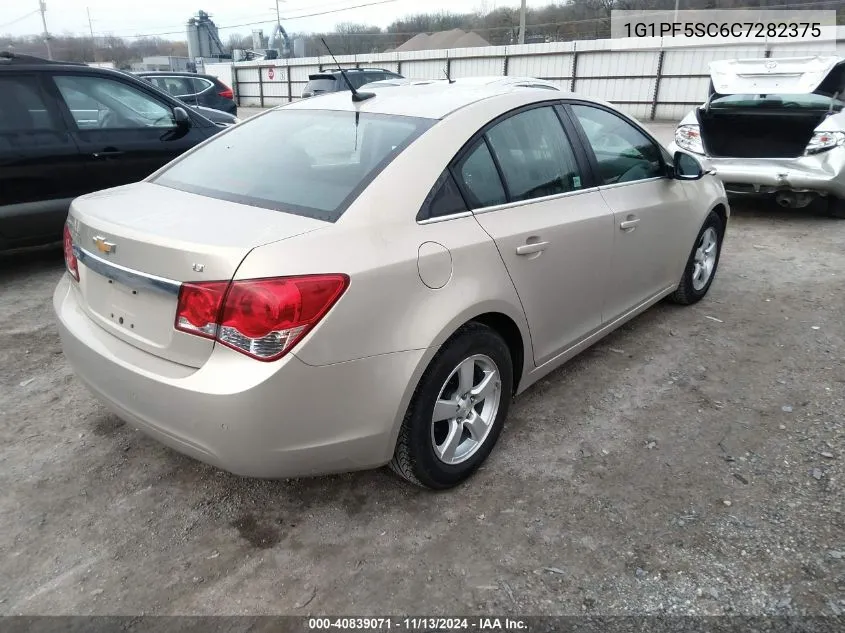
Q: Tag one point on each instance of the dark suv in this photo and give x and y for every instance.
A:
(332, 80)
(68, 129)
(194, 89)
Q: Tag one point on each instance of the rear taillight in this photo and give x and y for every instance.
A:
(226, 94)
(70, 257)
(262, 318)
(688, 137)
(823, 141)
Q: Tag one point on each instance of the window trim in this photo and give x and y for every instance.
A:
(590, 153)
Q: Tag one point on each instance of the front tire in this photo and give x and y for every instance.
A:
(457, 411)
(702, 262)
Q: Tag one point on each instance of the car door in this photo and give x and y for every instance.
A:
(40, 170)
(650, 208)
(530, 188)
(123, 132)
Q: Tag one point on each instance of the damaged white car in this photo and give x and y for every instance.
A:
(775, 127)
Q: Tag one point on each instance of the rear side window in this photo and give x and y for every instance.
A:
(199, 84)
(308, 162)
(23, 106)
(480, 179)
(320, 85)
(443, 199)
(535, 155)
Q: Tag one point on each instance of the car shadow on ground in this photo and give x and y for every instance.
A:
(20, 263)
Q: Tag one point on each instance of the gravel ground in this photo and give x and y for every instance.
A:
(690, 463)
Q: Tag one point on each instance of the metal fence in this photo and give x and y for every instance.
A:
(654, 78)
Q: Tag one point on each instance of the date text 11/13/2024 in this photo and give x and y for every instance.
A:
(418, 624)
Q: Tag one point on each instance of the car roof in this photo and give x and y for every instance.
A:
(490, 80)
(171, 73)
(431, 100)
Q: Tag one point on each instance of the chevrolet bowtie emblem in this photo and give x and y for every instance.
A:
(103, 246)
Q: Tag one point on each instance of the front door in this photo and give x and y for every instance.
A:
(123, 132)
(553, 231)
(650, 209)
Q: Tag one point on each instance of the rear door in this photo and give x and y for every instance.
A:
(123, 132)
(650, 209)
(40, 170)
(529, 187)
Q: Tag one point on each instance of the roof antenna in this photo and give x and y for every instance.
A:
(356, 96)
(446, 72)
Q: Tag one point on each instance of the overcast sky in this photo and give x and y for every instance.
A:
(167, 17)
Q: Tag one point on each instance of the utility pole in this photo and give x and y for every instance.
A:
(42, 6)
(522, 23)
(91, 29)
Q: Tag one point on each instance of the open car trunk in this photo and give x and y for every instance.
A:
(741, 133)
(769, 108)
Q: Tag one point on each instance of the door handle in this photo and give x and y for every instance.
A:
(630, 224)
(107, 153)
(530, 249)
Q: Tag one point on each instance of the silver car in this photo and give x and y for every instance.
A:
(774, 127)
(337, 285)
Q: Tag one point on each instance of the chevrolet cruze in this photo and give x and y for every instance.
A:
(368, 279)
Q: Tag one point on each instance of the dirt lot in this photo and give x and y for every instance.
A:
(690, 463)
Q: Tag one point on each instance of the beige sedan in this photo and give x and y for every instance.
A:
(340, 284)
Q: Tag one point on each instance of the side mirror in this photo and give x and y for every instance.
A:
(181, 117)
(686, 167)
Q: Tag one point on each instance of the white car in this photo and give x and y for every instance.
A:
(774, 127)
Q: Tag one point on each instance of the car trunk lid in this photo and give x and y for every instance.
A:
(136, 245)
(796, 75)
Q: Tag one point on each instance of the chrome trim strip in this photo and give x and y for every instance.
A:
(126, 276)
(443, 218)
(522, 203)
(633, 182)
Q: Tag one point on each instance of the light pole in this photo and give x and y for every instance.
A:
(42, 6)
(522, 23)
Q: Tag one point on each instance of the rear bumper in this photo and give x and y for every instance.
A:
(822, 173)
(270, 420)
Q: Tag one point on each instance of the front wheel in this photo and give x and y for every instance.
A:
(458, 410)
(702, 263)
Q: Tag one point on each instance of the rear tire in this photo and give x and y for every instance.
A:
(694, 284)
(835, 208)
(441, 453)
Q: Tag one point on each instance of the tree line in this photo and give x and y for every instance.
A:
(561, 21)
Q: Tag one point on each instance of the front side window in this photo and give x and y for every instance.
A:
(480, 179)
(103, 103)
(309, 162)
(623, 153)
(535, 155)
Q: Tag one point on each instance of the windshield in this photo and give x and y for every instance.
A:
(810, 101)
(308, 162)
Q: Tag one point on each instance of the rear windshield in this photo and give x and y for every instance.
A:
(809, 101)
(308, 162)
(320, 85)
